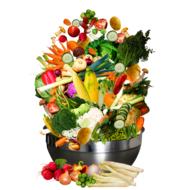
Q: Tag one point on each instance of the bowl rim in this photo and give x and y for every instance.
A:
(100, 147)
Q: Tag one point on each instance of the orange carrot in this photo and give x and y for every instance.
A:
(59, 50)
(53, 56)
(62, 46)
(139, 123)
(92, 51)
(67, 22)
(53, 50)
(61, 142)
(109, 99)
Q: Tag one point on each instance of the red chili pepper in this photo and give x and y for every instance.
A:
(118, 83)
(48, 77)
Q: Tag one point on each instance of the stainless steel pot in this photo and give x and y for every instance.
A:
(125, 151)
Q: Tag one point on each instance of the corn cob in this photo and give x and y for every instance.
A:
(79, 86)
(91, 84)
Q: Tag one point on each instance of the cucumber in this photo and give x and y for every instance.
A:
(76, 22)
(120, 117)
(67, 58)
(112, 36)
(119, 68)
(119, 124)
(123, 113)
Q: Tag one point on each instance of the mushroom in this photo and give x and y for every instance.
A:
(144, 72)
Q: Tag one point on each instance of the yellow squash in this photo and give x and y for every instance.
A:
(91, 84)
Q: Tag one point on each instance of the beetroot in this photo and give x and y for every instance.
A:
(47, 174)
(57, 174)
(52, 166)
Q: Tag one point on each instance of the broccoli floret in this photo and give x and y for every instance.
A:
(64, 120)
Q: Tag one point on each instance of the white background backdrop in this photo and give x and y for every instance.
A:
(25, 30)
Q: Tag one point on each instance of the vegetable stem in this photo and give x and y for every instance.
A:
(55, 84)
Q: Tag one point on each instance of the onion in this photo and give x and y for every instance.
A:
(65, 179)
(93, 169)
(74, 175)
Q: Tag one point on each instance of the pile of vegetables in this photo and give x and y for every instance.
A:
(91, 84)
(104, 174)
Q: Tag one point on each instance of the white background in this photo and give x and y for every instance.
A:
(25, 31)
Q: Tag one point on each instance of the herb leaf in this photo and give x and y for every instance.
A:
(134, 49)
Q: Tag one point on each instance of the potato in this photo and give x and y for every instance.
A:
(115, 23)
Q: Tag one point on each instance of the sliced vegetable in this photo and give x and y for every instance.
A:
(121, 116)
(119, 68)
(76, 22)
(112, 36)
(67, 58)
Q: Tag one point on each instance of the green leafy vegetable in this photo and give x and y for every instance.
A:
(64, 120)
(140, 88)
(134, 49)
(103, 47)
(38, 83)
(60, 162)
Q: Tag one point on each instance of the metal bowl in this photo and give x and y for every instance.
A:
(125, 151)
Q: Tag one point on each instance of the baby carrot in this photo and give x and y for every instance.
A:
(61, 142)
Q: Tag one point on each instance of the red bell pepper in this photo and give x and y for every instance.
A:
(119, 83)
(48, 77)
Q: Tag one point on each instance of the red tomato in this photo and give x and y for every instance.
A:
(101, 24)
(73, 31)
(52, 107)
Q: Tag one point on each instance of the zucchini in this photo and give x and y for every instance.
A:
(122, 116)
(119, 124)
(67, 58)
(119, 68)
(112, 36)
(76, 22)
